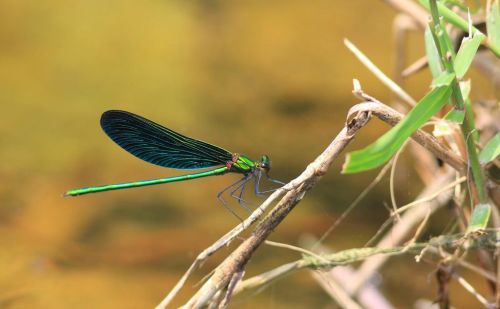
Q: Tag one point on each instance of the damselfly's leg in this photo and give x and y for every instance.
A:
(224, 203)
(257, 184)
(256, 187)
(241, 189)
(274, 180)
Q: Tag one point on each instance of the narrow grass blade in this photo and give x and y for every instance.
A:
(432, 54)
(491, 151)
(493, 23)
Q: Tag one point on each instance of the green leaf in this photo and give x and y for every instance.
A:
(432, 54)
(387, 145)
(480, 217)
(493, 23)
(491, 151)
(466, 53)
(455, 115)
(465, 89)
(443, 80)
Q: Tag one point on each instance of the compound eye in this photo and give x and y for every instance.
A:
(265, 162)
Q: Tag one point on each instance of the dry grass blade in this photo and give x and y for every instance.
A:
(380, 75)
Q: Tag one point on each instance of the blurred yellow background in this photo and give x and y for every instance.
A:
(253, 77)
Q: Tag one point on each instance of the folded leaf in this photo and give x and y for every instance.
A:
(480, 217)
(466, 53)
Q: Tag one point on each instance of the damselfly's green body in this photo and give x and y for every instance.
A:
(158, 145)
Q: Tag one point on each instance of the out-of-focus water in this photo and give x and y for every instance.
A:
(253, 77)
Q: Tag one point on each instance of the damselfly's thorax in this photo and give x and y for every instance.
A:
(243, 164)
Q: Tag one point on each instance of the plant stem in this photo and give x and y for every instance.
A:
(467, 126)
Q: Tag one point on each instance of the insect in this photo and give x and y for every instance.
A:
(159, 145)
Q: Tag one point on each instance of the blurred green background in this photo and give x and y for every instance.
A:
(253, 77)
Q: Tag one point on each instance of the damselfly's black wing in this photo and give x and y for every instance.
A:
(156, 144)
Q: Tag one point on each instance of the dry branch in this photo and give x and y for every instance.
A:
(294, 191)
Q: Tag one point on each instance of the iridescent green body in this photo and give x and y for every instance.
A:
(158, 145)
(245, 165)
(142, 183)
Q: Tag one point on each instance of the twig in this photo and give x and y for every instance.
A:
(230, 289)
(391, 179)
(478, 270)
(369, 297)
(420, 229)
(401, 26)
(411, 8)
(270, 276)
(297, 189)
(467, 286)
(431, 196)
(443, 277)
(223, 241)
(415, 67)
(293, 248)
(358, 199)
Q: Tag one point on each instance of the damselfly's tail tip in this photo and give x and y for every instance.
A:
(68, 193)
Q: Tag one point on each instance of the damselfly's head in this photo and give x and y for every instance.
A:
(265, 163)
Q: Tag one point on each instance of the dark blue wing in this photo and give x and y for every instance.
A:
(156, 144)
